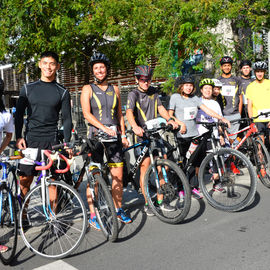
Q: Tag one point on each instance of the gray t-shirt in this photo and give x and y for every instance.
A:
(230, 95)
(185, 109)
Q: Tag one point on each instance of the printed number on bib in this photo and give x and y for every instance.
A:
(228, 90)
(155, 123)
(190, 113)
(30, 155)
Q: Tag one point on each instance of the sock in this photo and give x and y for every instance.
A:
(159, 201)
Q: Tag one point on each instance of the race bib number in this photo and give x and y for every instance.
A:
(228, 90)
(190, 113)
(30, 155)
(266, 116)
(155, 123)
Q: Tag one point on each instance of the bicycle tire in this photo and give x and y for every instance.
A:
(60, 235)
(264, 160)
(104, 208)
(8, 225)
(237, 190)
(177, 181)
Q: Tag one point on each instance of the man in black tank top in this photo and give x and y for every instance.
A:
(143, 104)
(44, 99)
(101, 106)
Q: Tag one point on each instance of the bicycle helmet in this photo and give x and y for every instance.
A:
(260, 65)
(99, 58)
(217, 82)
(187, 79)
(245, 63)
(226, 60)
(143, 71)
(206, 81)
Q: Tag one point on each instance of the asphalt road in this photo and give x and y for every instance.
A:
(208, 239)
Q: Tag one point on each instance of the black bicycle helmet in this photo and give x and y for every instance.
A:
(260, 65)
(226, 60)
(206, 81)
(187, 79)
(143, 71)
(245, 63)
(99, 58)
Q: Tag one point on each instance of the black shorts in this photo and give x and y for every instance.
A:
(262, 128)
(29, 170)
(114, 153)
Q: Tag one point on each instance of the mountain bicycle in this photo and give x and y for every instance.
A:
(8, 208)
(163, 178)
(253, 147)
(99, 188)
(53, 218)
(223, 189)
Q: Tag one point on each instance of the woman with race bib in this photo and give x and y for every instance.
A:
(184, 107)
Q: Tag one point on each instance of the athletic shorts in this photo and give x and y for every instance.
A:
(29, 170)
(114, 153)
(262, 128)
(234, 126)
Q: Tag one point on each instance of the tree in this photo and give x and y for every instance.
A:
(128, 31)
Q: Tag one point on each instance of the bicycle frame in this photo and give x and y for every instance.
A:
(146, 147)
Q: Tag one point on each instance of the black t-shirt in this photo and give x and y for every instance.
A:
(44, 101)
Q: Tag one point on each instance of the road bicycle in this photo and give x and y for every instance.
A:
(163, 178)
(253, 147)
(222, 188)
(99, 188)
(8, 207)
(53, 218)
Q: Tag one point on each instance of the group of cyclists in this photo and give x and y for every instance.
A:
(223, 99)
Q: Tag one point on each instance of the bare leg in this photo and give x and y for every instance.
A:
(117, 186)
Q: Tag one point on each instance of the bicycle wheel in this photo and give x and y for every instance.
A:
(61, 232)
(104, 207)
(171, 180)
(221, 183)
(8, 225)
(262, 162)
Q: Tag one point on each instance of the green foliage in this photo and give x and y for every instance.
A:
(128, 31)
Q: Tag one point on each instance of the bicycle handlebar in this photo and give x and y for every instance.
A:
(244, 120)
(212, 124)
(66, 144)
(51, 159)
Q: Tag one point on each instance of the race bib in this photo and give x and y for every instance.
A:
(190, 113)
(228, 90)
(104, 137)
(30, 155)
(264, 117)
(155, 123)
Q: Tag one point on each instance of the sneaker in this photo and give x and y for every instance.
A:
(218, 187)
(263, 172)
(93, 222)
(182, 195)
(166, 207)
(123, 217)
(196, 193)
(3, 248)
(148, 211)
(236, 170)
